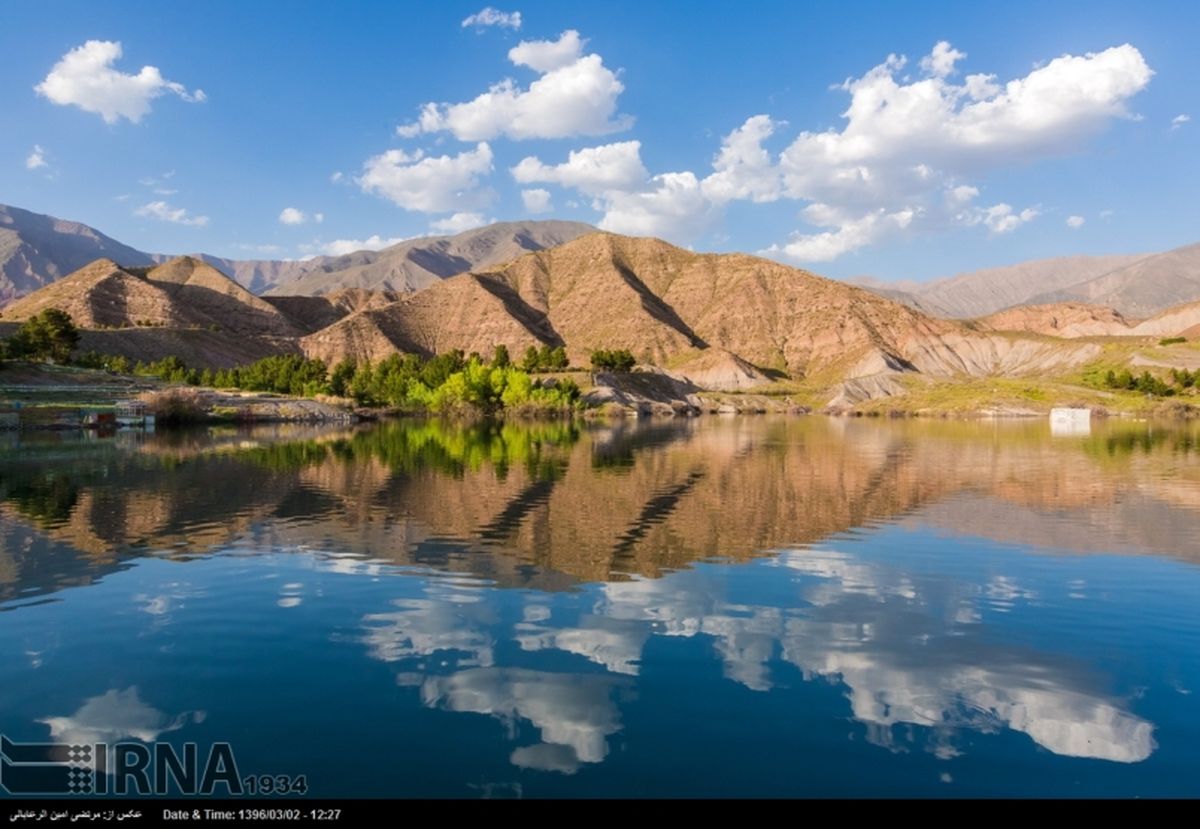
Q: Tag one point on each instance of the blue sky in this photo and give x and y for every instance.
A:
(1032, 130)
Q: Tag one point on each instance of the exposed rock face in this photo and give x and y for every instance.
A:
(716, 369)
(1062, 319)
(645, 393)
(965, 352)
(1181, 321)
(859, 389)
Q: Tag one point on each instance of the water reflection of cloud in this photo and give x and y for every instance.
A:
(904, 662)
(452, 618)
(423, 627)
(914, 655)
(574, 713)
(114, 716)
(616, 644)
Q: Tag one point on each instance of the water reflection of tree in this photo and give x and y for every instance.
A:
(45, 497)
(444, 446)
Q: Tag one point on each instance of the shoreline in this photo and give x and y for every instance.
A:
(60, 398)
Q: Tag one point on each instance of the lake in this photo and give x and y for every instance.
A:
(741, 606)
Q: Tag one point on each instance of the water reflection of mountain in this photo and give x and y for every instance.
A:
(548, 505)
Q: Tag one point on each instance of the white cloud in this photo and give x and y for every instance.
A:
(906, 143)
(548, 55)
(458, 223)
(536, 201)
(1179, 120)
(336, 177)
(743, 168)
(164, 212)
(1075, 222)
(430, 184)
(940, 62)
(849, 233)
(672, 206)
(489, 16)
(85, 77)
(592, 170)
(36, 159)
(340, 247)
(901, 162)
(295, 216)
(1001, 218)
(576, 94)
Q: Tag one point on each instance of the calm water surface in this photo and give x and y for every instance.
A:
(725, 606)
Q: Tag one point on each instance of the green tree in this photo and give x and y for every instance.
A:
(500, 358)
(530, 361)
(558, 359)
(50, 335)
(343, 375)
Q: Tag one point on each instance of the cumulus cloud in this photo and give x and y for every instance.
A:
(36, 159)
(576, 94)
(166, 213)
(848, 233)
(1075, 222)
(85, 77)
(458, 223)
(940, 62)
(671, 206)
(907, 144)
(536, 200)
(1179, 120)
(295, 216)
(1002, 218)
(430, 184)
(902, 162)
(488, 16)
(340, 247)
(593, 170)
(743, 169)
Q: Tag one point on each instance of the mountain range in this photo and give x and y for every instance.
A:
(718, 321)
(721, 321)
(1136, 286)
(36, 250)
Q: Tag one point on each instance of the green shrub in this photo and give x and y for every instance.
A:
(619, 360)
